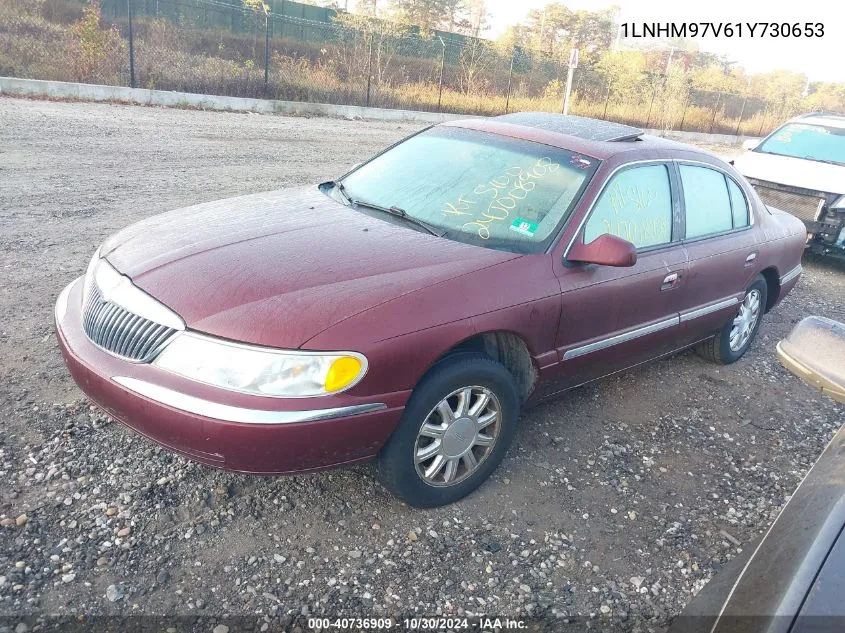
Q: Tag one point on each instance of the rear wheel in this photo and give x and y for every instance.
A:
(735, 337)
(456, 429)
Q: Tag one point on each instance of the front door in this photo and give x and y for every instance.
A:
(613, 318)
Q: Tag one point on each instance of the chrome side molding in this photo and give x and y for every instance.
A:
(227, 413)
(709, 309)
(621, 338)
(790, 275)
(651, 328)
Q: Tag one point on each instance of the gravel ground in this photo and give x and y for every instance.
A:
(619, 500)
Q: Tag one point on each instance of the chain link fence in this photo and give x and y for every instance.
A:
(290, 51)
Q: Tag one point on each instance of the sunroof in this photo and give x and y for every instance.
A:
(582, 127)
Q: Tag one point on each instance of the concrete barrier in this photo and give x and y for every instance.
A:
(142, 96)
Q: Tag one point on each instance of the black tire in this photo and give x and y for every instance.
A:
(396, 464)
(718, 349)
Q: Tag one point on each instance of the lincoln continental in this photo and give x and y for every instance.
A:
(409, 310)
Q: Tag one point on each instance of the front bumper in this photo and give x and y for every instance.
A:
(238, 432)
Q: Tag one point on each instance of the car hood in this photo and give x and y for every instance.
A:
(794, 172)
(278, 268)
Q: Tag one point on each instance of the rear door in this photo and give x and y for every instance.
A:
(721, 247)
(613, 318)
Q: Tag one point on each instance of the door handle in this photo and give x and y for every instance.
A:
(670, 281)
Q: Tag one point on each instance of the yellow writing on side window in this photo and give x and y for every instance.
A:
(632, 218)
(644, 232)
(494, 200)
(638, 198)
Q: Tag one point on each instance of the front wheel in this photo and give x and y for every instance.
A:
(734, 339)
(456, 429)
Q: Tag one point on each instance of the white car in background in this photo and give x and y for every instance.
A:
(800, 168)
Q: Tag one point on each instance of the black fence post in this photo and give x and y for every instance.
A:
(715, 111)
(442, 66)
(370, 68)
(266, 49)
(510, 79)
(650, 106)
(131, 46)
(607, 99)
(683, 116)
(741, 113)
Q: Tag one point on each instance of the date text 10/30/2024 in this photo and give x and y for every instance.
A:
(479, 625)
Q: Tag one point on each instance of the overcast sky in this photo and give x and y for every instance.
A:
(821, 59)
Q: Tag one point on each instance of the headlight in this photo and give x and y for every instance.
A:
(839, 204)
(261, 371)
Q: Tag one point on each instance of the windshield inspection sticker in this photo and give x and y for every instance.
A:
(524, 226)
(580, 162)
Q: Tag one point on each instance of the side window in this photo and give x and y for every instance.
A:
(707, 202)
(636, 205)
(738, 204)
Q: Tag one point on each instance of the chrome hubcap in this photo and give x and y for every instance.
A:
(457, 436)
(745, 321)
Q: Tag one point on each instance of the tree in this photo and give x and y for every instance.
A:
(624, 72)
(716, 79)
(826, 96)
(511, 39)
(546, 28)
(367, 7)
(470, 17)
(428, 15)
(592, 33)
(476, 57)
(93, 49)
(373, 47)
(256, 5)
(555, 29)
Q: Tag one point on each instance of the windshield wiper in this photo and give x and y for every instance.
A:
(395, 211)
(400, 213)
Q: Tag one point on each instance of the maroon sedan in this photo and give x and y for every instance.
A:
(410, 309)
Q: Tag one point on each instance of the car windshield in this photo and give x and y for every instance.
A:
(477, 187)
(813, 142)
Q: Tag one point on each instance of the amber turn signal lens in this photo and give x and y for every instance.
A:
(342, 372)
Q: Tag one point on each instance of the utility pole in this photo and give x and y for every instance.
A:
(131, 46)
(266, 47)
(442, 66)
(573, 64)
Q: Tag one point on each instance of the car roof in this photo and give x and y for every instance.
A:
(586, 136)
(830, 119)
(582, 127)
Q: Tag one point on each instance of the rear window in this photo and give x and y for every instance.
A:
(480, 188)
(707, 201)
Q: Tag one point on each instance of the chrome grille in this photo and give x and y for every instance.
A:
(120, 331)
(803, 206)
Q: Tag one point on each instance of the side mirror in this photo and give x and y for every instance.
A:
(750, 144)
(605, 250)
(815, 352)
